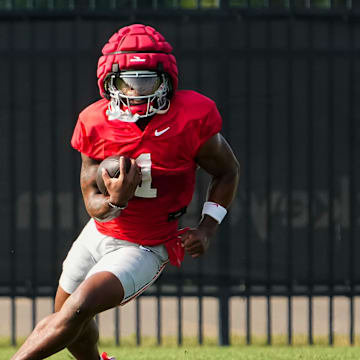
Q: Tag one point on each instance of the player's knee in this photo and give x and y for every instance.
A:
(77, 309)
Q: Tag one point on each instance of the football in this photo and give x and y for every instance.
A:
(111, 164)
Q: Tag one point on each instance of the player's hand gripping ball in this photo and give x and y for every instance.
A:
(111, 165)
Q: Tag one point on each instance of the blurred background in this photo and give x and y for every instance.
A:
(284, 75)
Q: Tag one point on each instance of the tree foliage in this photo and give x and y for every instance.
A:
(184, 4)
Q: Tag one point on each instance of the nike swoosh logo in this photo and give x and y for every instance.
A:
(158, 133)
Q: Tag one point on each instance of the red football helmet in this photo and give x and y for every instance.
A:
(137, 73)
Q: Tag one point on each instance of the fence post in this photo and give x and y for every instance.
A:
(224, 338)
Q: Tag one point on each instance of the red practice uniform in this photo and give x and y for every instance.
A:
(165, 151)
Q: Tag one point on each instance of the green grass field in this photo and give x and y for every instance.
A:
(217, 353)
(210, 351)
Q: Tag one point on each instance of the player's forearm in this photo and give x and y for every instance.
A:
(98, 208)
(222, 191)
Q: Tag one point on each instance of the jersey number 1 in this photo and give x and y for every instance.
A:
(144, 189)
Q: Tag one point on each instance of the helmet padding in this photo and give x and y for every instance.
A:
(137, 47)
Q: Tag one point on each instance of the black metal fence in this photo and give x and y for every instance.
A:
(286, 82)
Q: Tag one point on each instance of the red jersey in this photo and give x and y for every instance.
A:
(165, 151)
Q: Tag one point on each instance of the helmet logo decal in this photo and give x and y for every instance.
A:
(137, 59)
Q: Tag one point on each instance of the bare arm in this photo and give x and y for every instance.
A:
(120, 189)
(217, 159)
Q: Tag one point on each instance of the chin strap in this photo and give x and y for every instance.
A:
(164, 111)
(114, 112)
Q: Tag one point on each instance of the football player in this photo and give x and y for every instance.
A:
(133, 232)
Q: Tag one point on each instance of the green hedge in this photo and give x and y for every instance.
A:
(184, 4)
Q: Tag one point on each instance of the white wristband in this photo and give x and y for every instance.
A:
(114, 206)
(214, 210)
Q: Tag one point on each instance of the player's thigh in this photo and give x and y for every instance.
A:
(98, 293)
(136, 267)
(76, 266)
